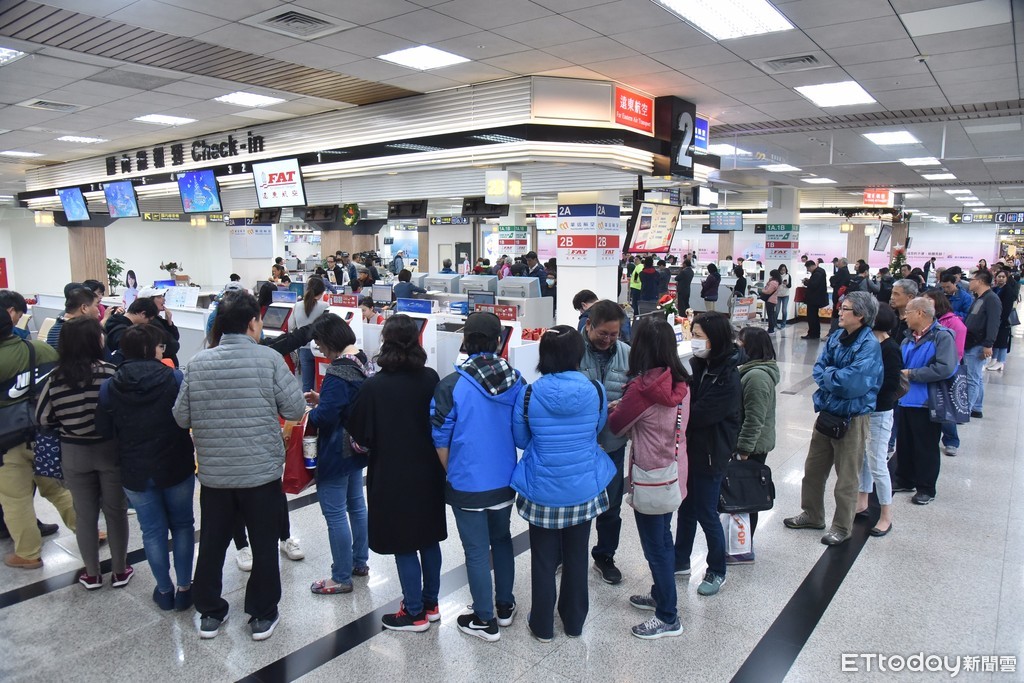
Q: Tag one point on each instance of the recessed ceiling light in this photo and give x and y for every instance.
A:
(724, 19)
(818, 181)
(976, 204)
(164, 119)
(725, 150)
(967, 198)
(7, 55)
(921, 161)
(957, 191)
(938, 176)
(81, 139)
(248, 99)
(836, 94)
(15, 153)
(422, 57)
(893, 137)
(780, 168)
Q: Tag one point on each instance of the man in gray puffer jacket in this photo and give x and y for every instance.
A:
(231, 398)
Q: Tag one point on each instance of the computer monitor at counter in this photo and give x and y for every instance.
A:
(519, 287)
(448, 284)
(480, 297)
(381, 293)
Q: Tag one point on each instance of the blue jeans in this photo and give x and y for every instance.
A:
(950, 435)
(344, 508)
(656, 540)
(701, 505)
(485, 535)
(1000, 354)
(307, 367)
(783, 310)
(420, 576)
(975, 363)
(160, 511)
(874, 473)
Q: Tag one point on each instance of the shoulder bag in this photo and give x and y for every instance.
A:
(746, 487)
(656, 492)
(831, 425)
(947, 399)
(18, 420)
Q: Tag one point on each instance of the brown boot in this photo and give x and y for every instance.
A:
(19, 562)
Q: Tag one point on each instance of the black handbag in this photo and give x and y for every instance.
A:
(746, 487)
(18, 420)
(831, 425)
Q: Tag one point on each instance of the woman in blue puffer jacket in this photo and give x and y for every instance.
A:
(561, 478)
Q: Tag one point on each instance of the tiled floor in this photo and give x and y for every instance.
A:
(949, 580)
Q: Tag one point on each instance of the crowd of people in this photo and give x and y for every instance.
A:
(614, 409)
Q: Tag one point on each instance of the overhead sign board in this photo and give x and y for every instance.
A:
(877, 196)
(449, 220)
(634, 110)
(700, 134)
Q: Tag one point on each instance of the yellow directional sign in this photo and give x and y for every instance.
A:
(954, 218)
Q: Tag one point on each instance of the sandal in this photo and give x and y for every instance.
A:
(321, 588)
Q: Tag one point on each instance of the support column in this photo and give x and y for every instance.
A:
(857, 244)
(726, 243)
(88, 249)
(900, 232)
(782, 240)
(588, 229)
(423, 242)
(331, 241)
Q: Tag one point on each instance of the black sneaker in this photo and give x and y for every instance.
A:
(45, 529)
(403, 621)
(902, 488)
(505, 613)
(605, 566)
(209, 627)
(921, 499)
(471, 625)
(977, 414)
(263, 628)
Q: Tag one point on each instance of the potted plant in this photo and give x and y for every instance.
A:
(171, 267)
(115, 267)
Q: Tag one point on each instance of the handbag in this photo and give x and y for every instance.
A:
(831, 425)
(947, 400)
(296, 477)
(46, 455)
(746, 487)
(18, 420)
(656, 492)
(1014, 317)
(904, 386)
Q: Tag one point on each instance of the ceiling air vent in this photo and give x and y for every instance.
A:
(793, 63)
(62, 107)
(306, 24)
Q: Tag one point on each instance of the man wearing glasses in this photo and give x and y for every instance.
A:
(606, 360)
(849, 374)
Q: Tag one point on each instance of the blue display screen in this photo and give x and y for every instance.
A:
(75, 206)
(198, 190)
(121, 199)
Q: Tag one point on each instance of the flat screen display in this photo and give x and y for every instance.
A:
(276, 317)
(884, 233)
(75, 206)
(278, 184)
(481, 297)
(655, 228)
(121, 199)
(725, 221)
(199, 193)
(381, 293)
(164, 284)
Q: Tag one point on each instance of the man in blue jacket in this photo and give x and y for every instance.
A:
(929, 355)
(472, 431)
(959, 299)
(849, 375)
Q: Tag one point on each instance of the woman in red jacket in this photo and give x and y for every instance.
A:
(654, 411)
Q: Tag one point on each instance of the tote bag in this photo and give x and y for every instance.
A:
(656, 492)
(947, 400)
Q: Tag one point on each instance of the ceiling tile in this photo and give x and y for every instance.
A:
(160, 17)
(690, 57)
(980, 74)
(627, 66)
(12, 93)
(673, 34)
(19, 117)
(51, 66)
(592, 50)
(489, 15)
(574, 72)
(735, 115)
(474, 72)
(528, 62)
(968, 39)
(874, 52)
(984, 91)
(777, 44)
(662, 83)
(314, 56)
(852, 33)
(896, 67)
(765, 96)
(812, 77)
(790, 110)
(79, 57)
(265, 115)
(623, 16)
(27, 77)
(876, 85)
(722, 72)
(423, 82)
(552, 30)
(912, 98)
(90, 96)
(481, 45)
(247, 39)
(94, 8)
(948, 61)
(232, 10)
(814, 13)
(963, 16)
(365, 41)
(374, 70)
(562, 6)
(424, 26)
(359, 11)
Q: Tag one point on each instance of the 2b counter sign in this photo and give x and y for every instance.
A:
(588, 234)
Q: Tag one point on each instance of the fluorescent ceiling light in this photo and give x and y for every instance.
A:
(8, 55)
(818, 181)
(938, 176)
(893, 137)
(79, 138)
(15, 153)
(981, 204)
(958, 191)
(423, 58)
(164, 120)
(725, 19)
(836, 94)
(725, 150)
(921, 161)
(780, 168)
(248, 99)
(970, 198)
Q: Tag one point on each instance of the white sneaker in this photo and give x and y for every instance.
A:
(243, 558)
(291, 549)
(998, 367)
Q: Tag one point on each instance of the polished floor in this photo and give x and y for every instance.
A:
(948, 581)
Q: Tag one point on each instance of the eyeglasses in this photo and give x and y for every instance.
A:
(846, 308)
(606, 335)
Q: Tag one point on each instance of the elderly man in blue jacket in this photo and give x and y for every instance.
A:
(849, 374)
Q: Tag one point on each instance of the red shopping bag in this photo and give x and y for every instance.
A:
(296, 477)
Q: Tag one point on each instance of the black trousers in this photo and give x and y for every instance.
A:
(260, 509)
(917, 450)
(239, 532)
(813, 322)
(547, 546)
(761, 458)
(609, 522)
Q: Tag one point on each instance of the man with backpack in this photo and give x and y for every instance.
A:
(397, 263)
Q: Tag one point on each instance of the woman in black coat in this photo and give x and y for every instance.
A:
(711, 436)
(1008, 290)
(404, 480)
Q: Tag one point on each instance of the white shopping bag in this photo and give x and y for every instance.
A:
(737, 533)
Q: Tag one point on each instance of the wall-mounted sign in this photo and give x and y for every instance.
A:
(510, 313)
(966, 217)
(676, 121)
(781, 242)
(503, 187)
(1014, 217)
(588, 234)
(700, 133)
(179, 217)
(449, 220)
(877, 196)
(513, 240)
(634, 110)
(163, 156)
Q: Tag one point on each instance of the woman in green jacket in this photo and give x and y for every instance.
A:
(759, 377)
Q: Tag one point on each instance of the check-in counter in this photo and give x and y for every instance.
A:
(533, 311)
(725, 289)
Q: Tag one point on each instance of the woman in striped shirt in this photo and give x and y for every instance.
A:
(91, 465)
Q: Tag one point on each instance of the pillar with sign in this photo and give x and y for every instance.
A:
(782, 241)
(588, 248)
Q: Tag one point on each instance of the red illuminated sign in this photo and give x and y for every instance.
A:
(634, 110)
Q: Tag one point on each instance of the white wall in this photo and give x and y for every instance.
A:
(143, 246)
(447, 234)
(38, 259)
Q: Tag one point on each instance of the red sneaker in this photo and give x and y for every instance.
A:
(91, 583)
(121, 580)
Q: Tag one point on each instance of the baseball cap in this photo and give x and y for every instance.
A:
(482, 322)
(147, 292)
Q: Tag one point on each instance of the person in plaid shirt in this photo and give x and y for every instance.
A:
(561, 478)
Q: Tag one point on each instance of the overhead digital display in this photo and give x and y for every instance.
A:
(199, 193)
(75, 206)
(121, 199)
(725, 221)
(279, 184)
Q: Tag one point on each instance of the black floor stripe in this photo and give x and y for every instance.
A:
(322, 650)
(773, 656)
(55, 583)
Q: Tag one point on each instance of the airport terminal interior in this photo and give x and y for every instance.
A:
(169, 145)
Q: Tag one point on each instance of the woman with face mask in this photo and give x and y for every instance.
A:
(711, 436)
